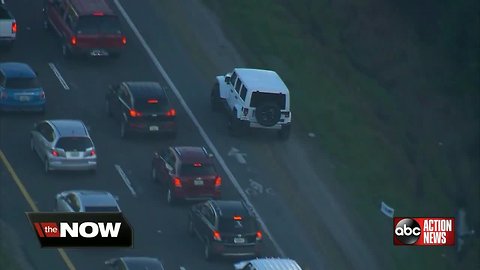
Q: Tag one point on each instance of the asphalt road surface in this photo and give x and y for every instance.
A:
(159, 230)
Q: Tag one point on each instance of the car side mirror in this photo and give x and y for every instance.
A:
(156, 155)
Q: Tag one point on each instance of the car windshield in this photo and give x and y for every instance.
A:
(197, 169)
(259, 98)
(101, 209)
(152, 105)
(74, 143)
(229, 225)
(98, 25)
(22, 83)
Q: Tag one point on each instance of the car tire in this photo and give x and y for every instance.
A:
(46, 166)
(170, 199)
(66, 51)
(108, 109)
(190, 230)
(284, 132)
(215, 99)
(123, 130)
(207, 252)
(268, 114)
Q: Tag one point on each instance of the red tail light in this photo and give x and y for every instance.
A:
(216, 236)
(124, 40)
(237, 218)
(73, 40)
(259, 235)
(218, 181)
(134, 113)
(177, 182)
(171, 112)
(54, 153)
(14, 27)
(92, 153)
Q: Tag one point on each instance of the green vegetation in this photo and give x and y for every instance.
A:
(392, 90)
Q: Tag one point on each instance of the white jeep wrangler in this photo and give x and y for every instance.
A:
(254, 98)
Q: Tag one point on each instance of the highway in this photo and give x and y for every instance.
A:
(76, 91)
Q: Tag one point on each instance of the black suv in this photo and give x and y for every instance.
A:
(227, 228)
(141, 107)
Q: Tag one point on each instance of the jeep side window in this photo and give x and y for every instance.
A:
(238, 85)
(243, 92)
(233, 79)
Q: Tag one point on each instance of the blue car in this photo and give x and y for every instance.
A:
(20, 89)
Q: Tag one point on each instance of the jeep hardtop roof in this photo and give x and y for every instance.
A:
(261, 80)
(91, 7)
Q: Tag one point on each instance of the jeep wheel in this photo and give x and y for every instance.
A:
(268, 114)
(284, 133)
(215, 99)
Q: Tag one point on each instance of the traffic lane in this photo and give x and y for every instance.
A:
(179, 65)
(66, 110)
(12, 211)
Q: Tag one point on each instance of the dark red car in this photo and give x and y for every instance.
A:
(187, 173)
(87, 27)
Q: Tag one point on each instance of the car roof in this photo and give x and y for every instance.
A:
(95, 198)
(261, 80)
(275, 264)
(146, 89)
(230, 208)
(89, 7)
(192, 154)
(142, 263)
(17, 70)
(72, 128)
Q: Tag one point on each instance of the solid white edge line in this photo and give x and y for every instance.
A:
(59, 76)
(125, 179)
(202, 132)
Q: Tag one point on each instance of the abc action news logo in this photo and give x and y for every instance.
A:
(81, 229)
(424, 231)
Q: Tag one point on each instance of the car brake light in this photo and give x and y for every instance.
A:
(197, 164)
(54, 153)
(134, 113)
(124, 40)
(171, 112)
(14, 27)
(73, 40)
(237, 218)
(216, 236)
(259, 235)
(177, 182)
(152, 101)
(218, 181)
(97, 13)
(92, 153)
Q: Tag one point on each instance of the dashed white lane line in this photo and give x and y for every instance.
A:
(125, 180)
(59, 76)
(182, 268)
(200, 129)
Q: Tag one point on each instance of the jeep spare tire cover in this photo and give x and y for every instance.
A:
(268, 114)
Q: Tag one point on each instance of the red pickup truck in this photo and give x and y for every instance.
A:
(86, 27)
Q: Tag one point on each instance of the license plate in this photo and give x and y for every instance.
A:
(153, 128)
(198, 182)
(74, 154)
(24, 98)
(98, 53)
(239, 240)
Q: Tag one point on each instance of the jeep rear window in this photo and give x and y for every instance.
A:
(22, 83)
(228, 224)
(74, 143)
(152, 105)
(192, 170)
(259, 98)
(98, 25)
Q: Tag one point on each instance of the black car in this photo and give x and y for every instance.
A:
(135, 263)
(141, 107)
(227, 228)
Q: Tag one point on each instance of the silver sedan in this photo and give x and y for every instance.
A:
(64, 145)
(86, 201)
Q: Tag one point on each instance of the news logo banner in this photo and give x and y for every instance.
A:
(424, 231)
(81, 229)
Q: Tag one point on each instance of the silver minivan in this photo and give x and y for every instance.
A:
(64, 145)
